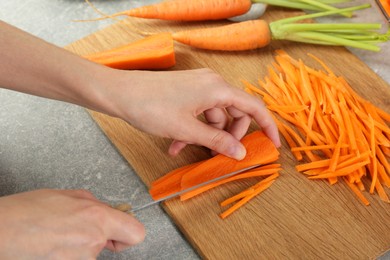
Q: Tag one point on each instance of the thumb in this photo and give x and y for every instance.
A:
(218, 140)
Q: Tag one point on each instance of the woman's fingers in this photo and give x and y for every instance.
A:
(256, 109)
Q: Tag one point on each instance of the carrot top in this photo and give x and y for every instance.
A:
(357, 35)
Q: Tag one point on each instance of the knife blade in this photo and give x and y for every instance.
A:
(174, 195)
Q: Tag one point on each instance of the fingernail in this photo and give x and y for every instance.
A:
(237, 152)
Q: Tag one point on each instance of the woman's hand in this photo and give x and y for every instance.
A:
(169, 104)
(63, 224)
(166, 103)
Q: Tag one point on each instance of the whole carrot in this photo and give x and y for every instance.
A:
(255, 34)
(246, 35)
(189, 10)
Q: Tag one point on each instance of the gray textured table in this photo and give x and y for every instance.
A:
(50, 144)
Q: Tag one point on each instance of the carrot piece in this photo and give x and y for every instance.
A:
(317, 147)
(169, 183)
(260, 188)
(248, 191)
(374, 162)
(152, 52)
(238, 196)
(260, 150)
(336, 153)
(341, 172)
(247, 35)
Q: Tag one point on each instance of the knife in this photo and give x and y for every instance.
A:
(127, 208)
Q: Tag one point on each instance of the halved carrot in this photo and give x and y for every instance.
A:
(152, 52)
(260, 150)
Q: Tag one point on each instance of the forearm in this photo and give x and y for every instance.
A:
(31, 65)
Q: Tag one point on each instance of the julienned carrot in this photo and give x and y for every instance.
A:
(188, 10)
(151, 52)
(255, 34)
(249, 191)
(351, 136)
(257, 188)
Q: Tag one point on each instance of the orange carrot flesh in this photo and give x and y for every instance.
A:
(151, 52)
(191, 10)
(340, 134)
(260, 150)
(259, 187)
(241, 36)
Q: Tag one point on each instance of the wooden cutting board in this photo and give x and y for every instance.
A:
(296, 218)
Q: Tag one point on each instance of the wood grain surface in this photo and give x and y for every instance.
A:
(296, 218)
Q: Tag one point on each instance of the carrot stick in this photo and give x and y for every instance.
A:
(251, 190)
(317, 147)
(341, 172)
(258, 190)
(238, 196)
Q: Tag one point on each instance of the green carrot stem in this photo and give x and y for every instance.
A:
(323, 6)
(288, 4)
(334, 1)
(320, 14)
(329, 39)
(312, 5)
(330, 27)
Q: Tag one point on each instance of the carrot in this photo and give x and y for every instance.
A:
(346, 136)
(152, 52)
(188, 10)
(247, 35)
(260, 151)
(255, 34)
